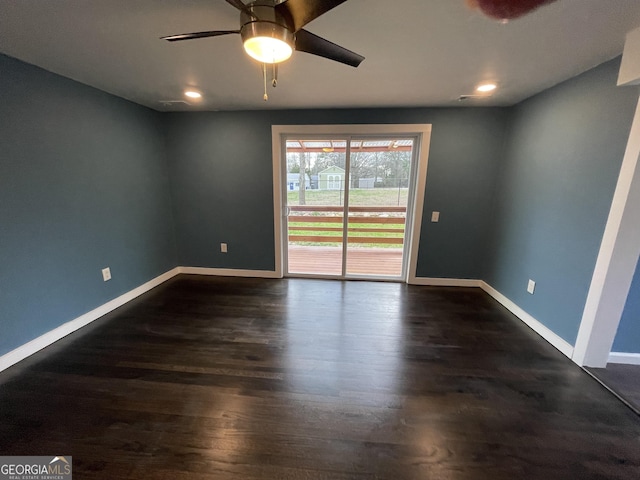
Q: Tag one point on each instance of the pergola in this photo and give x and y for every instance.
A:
(340, 146)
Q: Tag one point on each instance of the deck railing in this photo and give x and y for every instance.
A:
(366, 225)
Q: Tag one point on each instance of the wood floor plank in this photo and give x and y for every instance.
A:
(623, 380)
(227, 378)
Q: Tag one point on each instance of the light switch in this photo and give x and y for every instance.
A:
(435, 217)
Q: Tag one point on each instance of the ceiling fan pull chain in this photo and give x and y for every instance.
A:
(264, 78)
(274, 81)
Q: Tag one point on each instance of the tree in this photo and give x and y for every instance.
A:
(302, 164)
(358, 167)
(324, 160)
(394, 168)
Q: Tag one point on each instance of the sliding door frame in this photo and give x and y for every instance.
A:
(422, 132)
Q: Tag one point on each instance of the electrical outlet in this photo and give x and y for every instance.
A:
(435, 217)
(106, 274)
(531, 287)
(223, 247)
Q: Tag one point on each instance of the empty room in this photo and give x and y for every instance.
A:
(320, 239)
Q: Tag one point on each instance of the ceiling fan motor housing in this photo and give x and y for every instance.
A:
(266, 22)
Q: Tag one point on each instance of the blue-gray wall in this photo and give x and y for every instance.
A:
(88, 180)
(560, 169)
(83, 185)
(221, 170)
(628, 336)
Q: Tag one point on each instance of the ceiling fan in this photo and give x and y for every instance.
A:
(272, 29)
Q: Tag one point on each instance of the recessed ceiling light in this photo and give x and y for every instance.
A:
(487, 87)
(192, 94)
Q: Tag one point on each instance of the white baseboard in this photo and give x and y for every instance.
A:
(228, 272)
(28, 349)
(626, 358)
(445, 282)
(555, 340)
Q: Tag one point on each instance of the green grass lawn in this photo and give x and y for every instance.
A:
(357, 196)
(298, 228)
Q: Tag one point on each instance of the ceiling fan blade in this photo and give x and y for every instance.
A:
(301, 12)
(242, 7)
(239, 4)
(315, 45)
(191, 36)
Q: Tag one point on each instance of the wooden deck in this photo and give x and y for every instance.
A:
(382, 262)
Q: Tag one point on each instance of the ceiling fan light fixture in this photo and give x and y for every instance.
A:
(267, 49)
(267, 42)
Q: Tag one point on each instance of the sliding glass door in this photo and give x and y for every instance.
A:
(347, 204)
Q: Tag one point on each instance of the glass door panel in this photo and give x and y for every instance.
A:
(378, 192)
(315, 199)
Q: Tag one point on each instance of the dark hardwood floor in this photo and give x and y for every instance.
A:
(623, 380)
(227, 378)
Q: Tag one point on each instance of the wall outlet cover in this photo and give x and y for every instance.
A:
(531, 287)
(106, 274)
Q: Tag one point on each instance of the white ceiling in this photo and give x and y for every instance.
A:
(418, 52)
